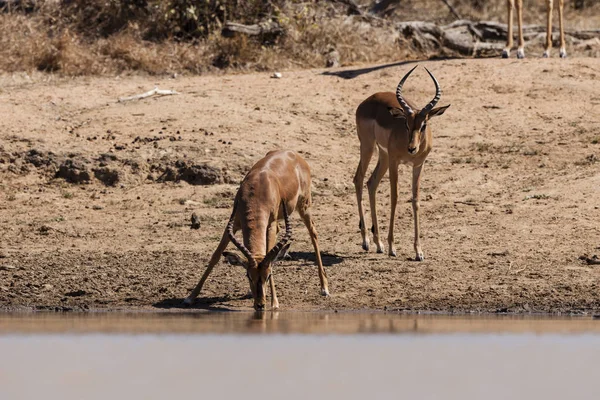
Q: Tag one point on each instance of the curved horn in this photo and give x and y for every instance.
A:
(438, 94)
(236, 242)
(288, 235)
(399, 96)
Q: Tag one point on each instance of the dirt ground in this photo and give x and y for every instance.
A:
(510, 193)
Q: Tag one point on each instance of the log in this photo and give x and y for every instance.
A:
(476, 38)
(267, 28)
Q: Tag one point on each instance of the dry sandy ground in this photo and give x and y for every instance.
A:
(510, 191)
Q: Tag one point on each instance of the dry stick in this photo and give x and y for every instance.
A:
(153, 92)
(467, 203)
(592, 260)
(452, 9)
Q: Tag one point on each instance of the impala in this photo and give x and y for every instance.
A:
(276, 185)
(521, 49)
(402, 133)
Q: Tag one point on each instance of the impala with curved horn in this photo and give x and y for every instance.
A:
(402, 133)
(277, 184)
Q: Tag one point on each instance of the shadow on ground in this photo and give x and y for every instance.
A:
(353, 73)
(201, 303)
(327, 258)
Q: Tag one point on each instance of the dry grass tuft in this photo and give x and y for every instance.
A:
(82, 37)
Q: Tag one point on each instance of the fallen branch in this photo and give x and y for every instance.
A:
(471, 38)
(452, 9)
(263, 28)
(467, 203)
(594, 260)
(154, 92)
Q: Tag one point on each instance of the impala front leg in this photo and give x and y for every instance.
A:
(416, 181)
(211, 264)
(394, 201)
(271, 241)
(274, 301)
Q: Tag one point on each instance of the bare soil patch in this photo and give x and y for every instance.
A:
(510, 193)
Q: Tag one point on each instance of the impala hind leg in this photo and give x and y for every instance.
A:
(563, 48)
(367, 147)
(305, 214)
(211, 264)
(509, 36)
(415, 206)
(548, 29)
(372, 184)
(521, 43)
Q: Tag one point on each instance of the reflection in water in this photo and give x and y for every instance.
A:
(287, 323)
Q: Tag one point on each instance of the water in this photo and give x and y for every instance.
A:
(297, 356)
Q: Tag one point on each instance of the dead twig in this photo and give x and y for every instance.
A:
(452, 9)
(154, 92)
(468, 203)
(593, 260)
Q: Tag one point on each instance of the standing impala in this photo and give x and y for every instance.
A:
(403, 135)
(521, 50)
(277, 184)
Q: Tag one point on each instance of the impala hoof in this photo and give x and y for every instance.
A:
(419, 257)
(380, 250)
(520, 54)
(505, 53)
(546, 54)
(365, 246)
(563, 53)
(325, 292)
(392, 253)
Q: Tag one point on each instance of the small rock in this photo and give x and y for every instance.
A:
(45, 229)
(97, 207)
(7, 268)
(276, 75)
(195, 222)
(48, 286)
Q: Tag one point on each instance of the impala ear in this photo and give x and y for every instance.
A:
(234, 259)
(396, 112)
(436, 112)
